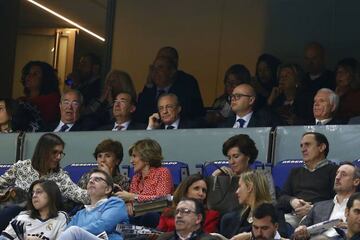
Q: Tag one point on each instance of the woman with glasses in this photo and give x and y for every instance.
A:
(194, 186)
(43, 218)
(44, 164)
(101, 217)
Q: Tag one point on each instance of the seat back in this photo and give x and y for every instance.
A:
(357, 162)
(4, 168)
(281, 171)
(76, 170)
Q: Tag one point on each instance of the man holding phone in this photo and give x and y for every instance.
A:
(168, 115)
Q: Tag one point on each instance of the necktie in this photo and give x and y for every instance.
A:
(241, 122)
(319, 123)
(170, 127)
(119, 127)
(64, 128)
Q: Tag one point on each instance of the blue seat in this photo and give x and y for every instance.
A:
(357, 162)
(76, 170)
(208, 168)
(179, 170)
(4, 168)
(281, 171)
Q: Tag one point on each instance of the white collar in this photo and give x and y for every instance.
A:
(125, 126)
(70, 125)
(247, 118)
(98, 203)
(174, 124)
(324, 121)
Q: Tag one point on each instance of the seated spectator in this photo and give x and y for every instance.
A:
(168, 115)
(41, 88)
(289, 99)
(347, 181)
(326, 103)
(352, 217)
(234, 76)
(44, 164)
(70, 106)
(253, 191)
(150, 180)
(309, 184)
(165, 78)
(86, 78)
(7, 106)
(265, 78)
(44, 205)
(194, 186)
(116, 82)
(348, 88)
(189, 219)
(243, 100)
(103, 213)
(241, 152)
(123, 108)
(317, 75)
(109, 155)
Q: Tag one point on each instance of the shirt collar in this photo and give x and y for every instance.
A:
(319, 165)
(91, 207)
(324, 121)
(247, 118)
(125, 125)
(62, 124)
(174, 124)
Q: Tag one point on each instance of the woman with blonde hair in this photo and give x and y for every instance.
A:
(253, 190)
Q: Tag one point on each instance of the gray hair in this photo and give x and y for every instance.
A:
(172, 95)
(333, 97)
(78, 93)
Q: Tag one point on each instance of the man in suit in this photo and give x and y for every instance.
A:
(165, 78)
(168, 115)
(123, 108)
(346, 183)
(311, 183)
(353, 217)
(326, 102)
(242, 104)
(189, 219)
(70, 106)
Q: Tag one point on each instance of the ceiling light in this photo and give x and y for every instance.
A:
(66, 19)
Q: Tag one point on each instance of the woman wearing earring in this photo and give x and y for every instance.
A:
(150, 180)
(43, 219)
(288, 99)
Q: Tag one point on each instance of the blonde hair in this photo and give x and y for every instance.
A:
(149, 151)
(260, 186)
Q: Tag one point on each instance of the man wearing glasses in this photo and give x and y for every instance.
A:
(242, 105)
(70, 105)
(102, 215)
(189, 217)
(168, 115)
(123, 108)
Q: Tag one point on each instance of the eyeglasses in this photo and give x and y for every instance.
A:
(167, 107)
(183, 211)
(37, 192)
(57, 153)
(67, 103)
(97, 179)
(237, 96)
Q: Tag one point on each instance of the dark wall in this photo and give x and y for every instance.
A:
(8, 22)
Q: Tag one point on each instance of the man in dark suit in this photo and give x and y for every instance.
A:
(165, 78)
(346, 183)
(242, 104)
(326, 102)
(70, 106)
(123, 108)
(168, 115)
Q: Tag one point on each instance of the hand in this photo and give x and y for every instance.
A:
(19, 228)
(154, 121)
(242, 236)
(301, 233)
(126, 196)
(105, 168)
(130, 209)
(296, 202)
(117, 188)
(275, 93)
(304, 209)
(342, 225)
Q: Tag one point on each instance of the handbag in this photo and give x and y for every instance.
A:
(221, 193)
(13, 196)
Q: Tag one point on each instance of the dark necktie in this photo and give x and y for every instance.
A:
(170, 127)
(119, 127)
(64, 128)
(241, 122)
(319, 123)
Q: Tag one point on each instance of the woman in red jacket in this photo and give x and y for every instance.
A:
(194, 186)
